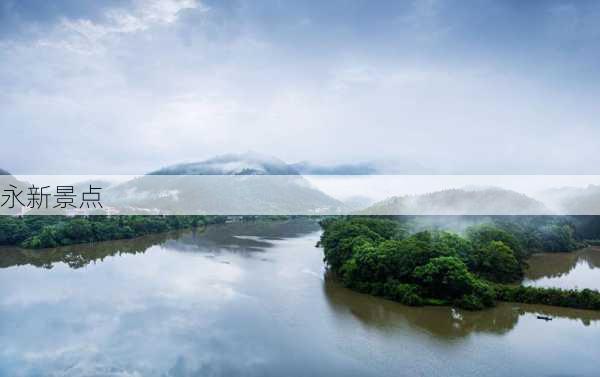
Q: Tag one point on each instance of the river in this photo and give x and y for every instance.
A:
(253, 299)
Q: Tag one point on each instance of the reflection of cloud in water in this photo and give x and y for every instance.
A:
(234, 237)
(580, 269)
(164, 312)
(132, 308)
(147, 314)
(176, 276)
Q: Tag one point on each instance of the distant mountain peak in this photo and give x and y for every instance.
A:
(361, 168)
(253, 163)
(249, 163)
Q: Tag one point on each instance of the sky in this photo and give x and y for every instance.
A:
(449, 87)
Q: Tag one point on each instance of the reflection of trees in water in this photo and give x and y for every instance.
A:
(242, 236)
(443, 322)
(440, 321)
(77, 256)
(555, 265)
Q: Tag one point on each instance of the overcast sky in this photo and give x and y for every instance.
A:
(98, 87)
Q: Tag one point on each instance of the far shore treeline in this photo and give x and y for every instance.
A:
(51, 231)
(533, 233)
(38, 231)
(400, 260)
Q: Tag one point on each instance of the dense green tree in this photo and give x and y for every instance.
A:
(481, 235)
(557, 237)
(51, 231)
(583, 299)
(343, 235)
(495, 261)
(438, 267)
(449, 278)
(444, 277)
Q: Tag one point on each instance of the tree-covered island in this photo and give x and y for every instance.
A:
(472, 270)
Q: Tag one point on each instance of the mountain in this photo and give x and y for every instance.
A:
(233, 184)
(358, 202)
(252, 163)
(486, 201)
(573, 200)
(308, 168)
(360, 168)
(249, 163)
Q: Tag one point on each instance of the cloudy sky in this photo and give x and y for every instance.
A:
(481, 86)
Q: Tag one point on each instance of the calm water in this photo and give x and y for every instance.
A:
(579, 269)
(253, 300)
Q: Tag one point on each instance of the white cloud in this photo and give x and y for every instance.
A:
(87, 36)
(151, 87)
(165, 11)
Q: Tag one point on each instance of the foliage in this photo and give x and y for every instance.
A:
(482, 235)
(51, 231)
(495, 261)
(379, 257)
(445, 277)
(542, 233)
(586, 227)
(343, 235)
(376, 256)
(557, 237)
(580, 299)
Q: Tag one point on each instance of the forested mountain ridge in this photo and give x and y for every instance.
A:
(486, 201)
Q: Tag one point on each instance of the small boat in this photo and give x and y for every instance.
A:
(545, 318)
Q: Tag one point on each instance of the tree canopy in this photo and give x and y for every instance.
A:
(381, 257)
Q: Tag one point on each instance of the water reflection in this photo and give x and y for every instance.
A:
(579, 269)
(78, 256)
(168, 305)
(443, 322)
(242, 237)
